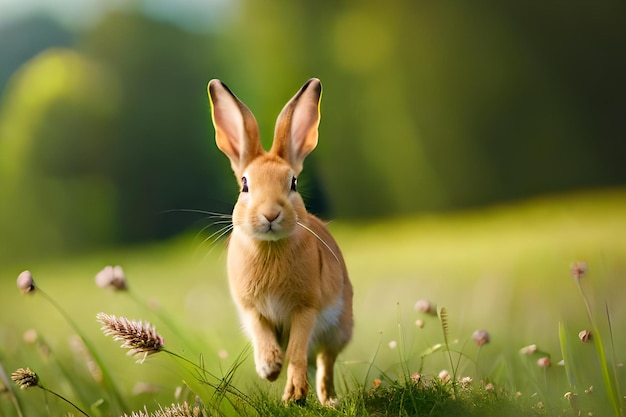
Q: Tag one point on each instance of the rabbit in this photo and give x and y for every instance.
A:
(287, 276)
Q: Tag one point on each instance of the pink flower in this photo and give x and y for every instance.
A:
(444, 375)
(481, 337)
(25, 282)
(544, 362)
(426, 307)
(578, 269)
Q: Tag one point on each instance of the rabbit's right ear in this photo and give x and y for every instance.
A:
(236, 129)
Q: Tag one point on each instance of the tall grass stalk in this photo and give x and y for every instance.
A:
(609, 380)
(568, 358)
(106, 376)
(14, 399)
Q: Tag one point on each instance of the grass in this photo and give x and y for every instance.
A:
(504, 269)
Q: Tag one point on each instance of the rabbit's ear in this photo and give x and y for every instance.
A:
(296, 127)
(236, 129)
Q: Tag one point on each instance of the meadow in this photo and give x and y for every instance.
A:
(503, 269)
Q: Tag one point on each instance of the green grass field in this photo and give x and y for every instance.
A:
(504, 269)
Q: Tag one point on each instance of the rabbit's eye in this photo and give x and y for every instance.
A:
(294, 184)
(244, 185)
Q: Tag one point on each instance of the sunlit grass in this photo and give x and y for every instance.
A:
(505, 269)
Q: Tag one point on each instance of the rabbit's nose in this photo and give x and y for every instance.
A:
(272, 215)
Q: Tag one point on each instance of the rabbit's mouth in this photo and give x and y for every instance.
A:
(271, 231)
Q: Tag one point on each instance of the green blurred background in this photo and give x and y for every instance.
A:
(428, 107)
(470, 152)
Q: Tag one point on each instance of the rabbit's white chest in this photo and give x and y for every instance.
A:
(274, 309)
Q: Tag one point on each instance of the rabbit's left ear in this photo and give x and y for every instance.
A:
(296, 131)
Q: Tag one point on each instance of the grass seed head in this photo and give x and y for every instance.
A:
(25, 282)
(141, 338)
(25, 378)
(175, 410)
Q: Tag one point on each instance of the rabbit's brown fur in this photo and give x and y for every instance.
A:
(286, 273)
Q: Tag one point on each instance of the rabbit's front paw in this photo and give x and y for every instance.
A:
(296, 389)
(268, 365)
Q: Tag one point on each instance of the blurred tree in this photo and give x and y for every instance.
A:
(426, 106)
(52, 133)
(99, 146)
(160, 157)
(22, 40)
(431, 106)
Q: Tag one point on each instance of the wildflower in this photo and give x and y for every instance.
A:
(416, 378)
(466, 381)
(528, 350)
(489, 387)
(30, 336)
(393, 344)
(111, 276)
(222, 354)
(425, 306)
(578, 269)
(481, 337)
(584, 336)
(419, 323)
(589, 390)
(377, 382)
(25, 378)
(140, 338)
(543, 362)
(444, 376)
(25, 282)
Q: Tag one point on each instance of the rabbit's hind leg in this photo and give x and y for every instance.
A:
(324, 377)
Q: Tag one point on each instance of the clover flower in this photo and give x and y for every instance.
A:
(528, 350)
(444, 376)
(25, 282)
(544, 362)
(578, 269)
(111, 276)
(481, 337)
(141, 338)
(426, 307)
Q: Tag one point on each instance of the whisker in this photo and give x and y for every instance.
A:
(211, 214)
(318, 238)
(214, 238)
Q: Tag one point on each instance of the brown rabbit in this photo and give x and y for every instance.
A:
(286, 273)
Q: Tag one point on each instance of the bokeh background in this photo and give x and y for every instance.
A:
(428, 107)
(469, 152)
